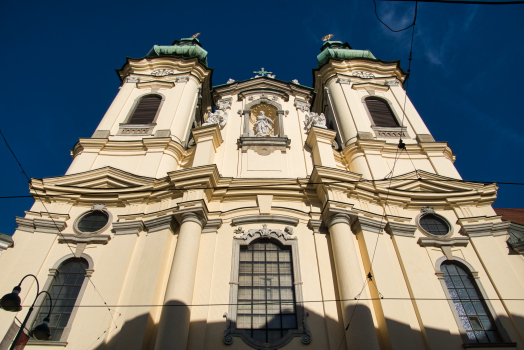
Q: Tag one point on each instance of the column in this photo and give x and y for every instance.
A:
(173, 328)
(361, 333)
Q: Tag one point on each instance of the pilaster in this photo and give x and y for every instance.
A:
(320, 140)
(208, 139)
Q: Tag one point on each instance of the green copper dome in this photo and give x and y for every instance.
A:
(186, 48)
(340, 51)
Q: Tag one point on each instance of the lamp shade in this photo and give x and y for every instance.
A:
(11, 302)
(42, 331)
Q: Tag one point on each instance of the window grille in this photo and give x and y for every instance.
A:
(64, 291)
(434, 225)
(146, 110)
(93, 221)
(471, 307)
(381, 113)
(266, 297)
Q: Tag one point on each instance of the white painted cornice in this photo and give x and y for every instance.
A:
(145, 66)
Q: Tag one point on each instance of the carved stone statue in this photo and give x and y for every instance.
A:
(263, 125)
(313, 119)
(216, 118)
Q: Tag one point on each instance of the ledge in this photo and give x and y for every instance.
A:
(269, 143)
(256, 219)
(435, 242)
(46, 343)
(490, 345)
(84, 238)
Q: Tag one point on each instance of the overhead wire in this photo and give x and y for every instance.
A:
(54, 222)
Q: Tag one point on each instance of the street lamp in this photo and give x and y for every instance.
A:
(11, 302)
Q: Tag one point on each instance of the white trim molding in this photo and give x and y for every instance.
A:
(282, 238)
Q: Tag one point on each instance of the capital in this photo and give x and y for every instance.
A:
(339, 219)
(191, 217)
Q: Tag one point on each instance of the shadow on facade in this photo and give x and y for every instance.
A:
(140, 333)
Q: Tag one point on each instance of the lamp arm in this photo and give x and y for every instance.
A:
(50, 301)
(37, 284)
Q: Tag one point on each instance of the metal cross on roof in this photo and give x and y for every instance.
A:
(263, 73)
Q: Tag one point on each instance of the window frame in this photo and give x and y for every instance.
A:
(430, 211)
(385, 131)
(466, 266)
(281, 238)
(96, 207)
(49, 282)
(135, 105)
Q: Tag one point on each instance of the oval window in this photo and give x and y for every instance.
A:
(434, 225)
(93, 221)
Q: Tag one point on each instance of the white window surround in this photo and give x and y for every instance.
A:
(47, 285)
(429, 210)
(96, 207)
(466, 342)
(282, 238)
(386, 131)
(126, 129)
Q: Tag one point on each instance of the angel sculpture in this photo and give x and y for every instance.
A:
(216, 118)
(263, 125)
(313, 119)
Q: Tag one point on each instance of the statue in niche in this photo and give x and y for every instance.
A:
(313, 119)
(263, 125)
(216, 118)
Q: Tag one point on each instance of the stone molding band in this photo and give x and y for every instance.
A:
(257, 219)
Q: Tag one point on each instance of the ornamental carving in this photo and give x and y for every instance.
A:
(162, 72)
(313, 119)
(224, 103)
(363, 75)
(266, 232)
(302, 105)
(344, 81)
(381, 133)
(132, 80)
(392, 82)
(216, 118)
(306, 338)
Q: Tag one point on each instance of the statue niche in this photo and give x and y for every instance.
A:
(263, 121)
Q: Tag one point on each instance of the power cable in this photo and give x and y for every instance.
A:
(54, 222)
(291, 302)
(393, 30)
(467, 2)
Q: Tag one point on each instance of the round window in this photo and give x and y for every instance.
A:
(92, 222)
(434, 224)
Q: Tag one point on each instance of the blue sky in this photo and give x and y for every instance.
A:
(59, 58)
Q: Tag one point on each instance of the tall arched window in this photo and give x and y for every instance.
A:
(146, 110)
(473, 313)
(381, 113)
(266, 296)
(64, 290)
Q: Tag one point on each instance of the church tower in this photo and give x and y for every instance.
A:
(264, 214)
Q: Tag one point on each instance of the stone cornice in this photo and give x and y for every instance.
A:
(69, 238)
(128, 227)
(435, 242)
(485, 229)
(317, 134)
(254, 219)
(208, 133)
(144, 66)
(40, 225)
(161, 223)
(5, 242)
(363, 223)
(241, 87)
(398, 229)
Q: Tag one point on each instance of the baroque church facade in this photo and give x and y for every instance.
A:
(264, 214)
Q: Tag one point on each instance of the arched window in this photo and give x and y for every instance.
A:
(266, 296)
(381, 113)
(146, 110)
(473, 313)
(64, 290)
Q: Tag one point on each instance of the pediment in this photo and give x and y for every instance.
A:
(422, 181)
(106, 177)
